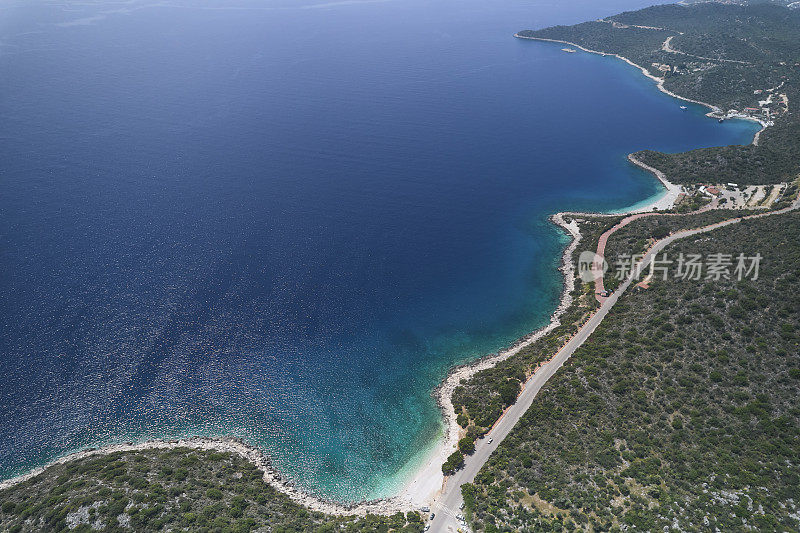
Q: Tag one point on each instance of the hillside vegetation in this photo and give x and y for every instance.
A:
(680, 411)
(168, 490)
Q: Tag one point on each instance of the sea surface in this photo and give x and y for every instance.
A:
(285, 220)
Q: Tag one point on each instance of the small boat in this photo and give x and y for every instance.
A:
(684, 107)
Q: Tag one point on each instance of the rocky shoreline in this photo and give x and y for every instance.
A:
(408, 499)
(715, 112)
(242, 449)
(444, 392)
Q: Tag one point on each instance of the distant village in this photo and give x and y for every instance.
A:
(771, 103)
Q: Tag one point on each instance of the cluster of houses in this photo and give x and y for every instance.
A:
(686, 67)
(765, 110)
(773, 105)
(732, 196)
(708, 190)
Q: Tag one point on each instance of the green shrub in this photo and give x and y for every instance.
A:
(453, 463)
(214, 494)
(466, 445)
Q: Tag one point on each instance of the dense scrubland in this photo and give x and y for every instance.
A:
(679, 411)
(181, 489)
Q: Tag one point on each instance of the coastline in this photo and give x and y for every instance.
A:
(664, 202)
(443, 393)
(427, 479)
(236, 446)
(715, 112)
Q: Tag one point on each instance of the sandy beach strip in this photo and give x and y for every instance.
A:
(664, 202)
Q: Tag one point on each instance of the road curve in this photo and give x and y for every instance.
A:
(447, 506)
(599, 284)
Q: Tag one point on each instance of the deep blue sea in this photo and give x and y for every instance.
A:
(285, 220)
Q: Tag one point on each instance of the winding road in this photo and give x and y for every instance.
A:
(667, 47)
(447, 506)
(599, 285)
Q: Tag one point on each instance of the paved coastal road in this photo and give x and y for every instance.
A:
(447, 505)
(599, 285)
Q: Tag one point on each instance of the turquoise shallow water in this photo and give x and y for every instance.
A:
(286, 221)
